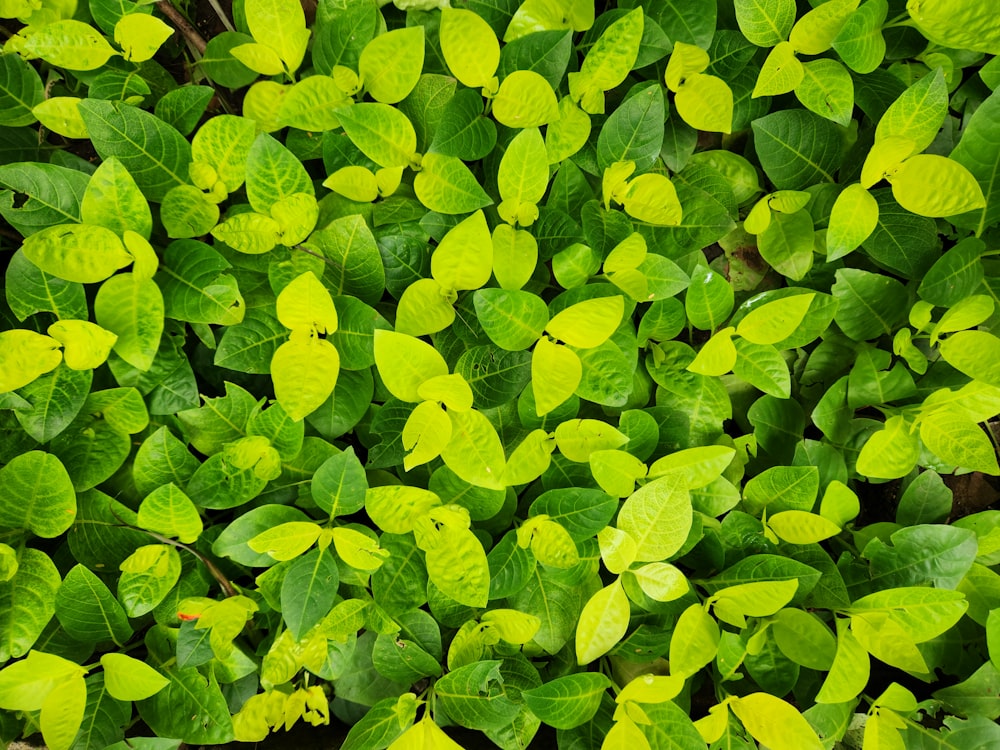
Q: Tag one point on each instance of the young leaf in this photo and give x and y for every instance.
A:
(603, 623)
(390, 64)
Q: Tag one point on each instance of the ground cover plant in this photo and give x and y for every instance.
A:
(622, 376)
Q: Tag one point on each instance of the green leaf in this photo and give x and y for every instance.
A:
(382, 133)
(464, 257)
(37, 495)
(709, 299)
(308, 591)
(569, 701)
(922, 555)
(765, 23)
(444, 184)
(54, 401)
(45, 194)
(658, 516)
(827, 89)
(603, 623)
(168, 713)
(273, 174)
(88, 611)
(474, 696)
(195, 288)
(169, 511)
(797, 148)
(20, 91)
(129, 679)
(634, 131)
(513, 320)
(782, 488)
(464, 131)
(763, 367)
(870, 304)
(28, 603)
(390, 64)
(148, 575)
(153, 152)
(860, 42)
(917, 114)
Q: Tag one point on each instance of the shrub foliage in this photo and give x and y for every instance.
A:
(497, 364)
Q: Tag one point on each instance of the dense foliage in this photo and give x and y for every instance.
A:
(501, 365)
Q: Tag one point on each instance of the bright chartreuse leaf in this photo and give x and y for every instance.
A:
(587, 324)
(658, 516)
(405, 363)
(525, 100)
(382, 133)
(775, 321)
(782, 72)
(469, 47)
(608, 62)
(935, 186)
(281, 26)
(464, 257)
(603, 622)
(444, 184)
(522, 176)
(390, 64)
(85, 253)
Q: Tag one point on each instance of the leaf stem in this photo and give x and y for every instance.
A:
(189, 32)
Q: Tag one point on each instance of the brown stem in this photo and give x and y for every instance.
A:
(187, 30)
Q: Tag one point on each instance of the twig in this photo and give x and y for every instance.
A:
(221, 14)
(189, 32)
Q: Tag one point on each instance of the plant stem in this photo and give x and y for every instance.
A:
(222, 15)
(189, 32)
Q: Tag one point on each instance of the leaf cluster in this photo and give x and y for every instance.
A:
(503, 365)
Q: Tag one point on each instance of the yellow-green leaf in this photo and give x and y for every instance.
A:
(281, 25)
(781, 72)
(652, 198)
(391, 63)
(129, 679)
(935, 186)
(358, 550)
(86, 253)
(305, 304)
(304, 370)
(523, 175)
(140, 35)
(469, 46)
(775, 723)
(717, 355)
(464, 258)
(525, 100)
(852, 220)
(658, 516)
(608, 62)
(775, 321)
(705, 102)
(589, 323)
(801, 527)
(85, 345)
(405, 363)
(62, 713)
(425, 434)
(555, 374)
(61, 115)
(474, 452)
(603, 622)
